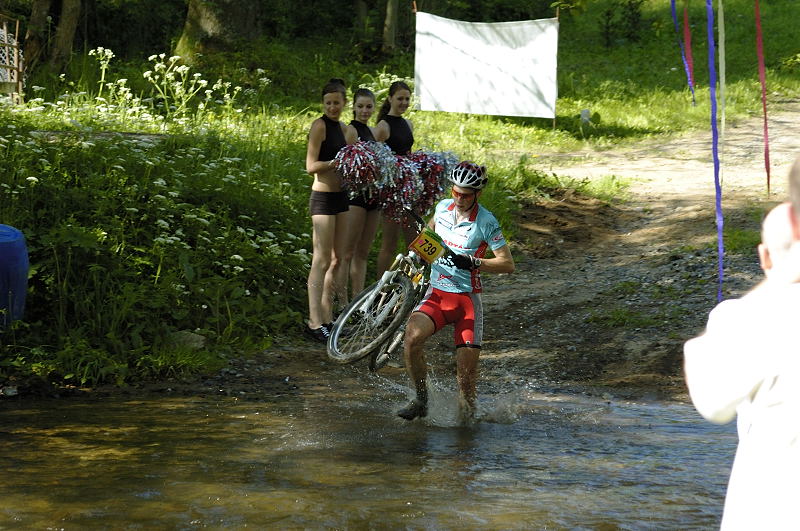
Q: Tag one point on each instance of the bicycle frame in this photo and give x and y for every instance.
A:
(418, 273)
(403, 264)
(375, 321)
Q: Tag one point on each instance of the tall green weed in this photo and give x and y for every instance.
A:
(133, 238)
(161, 205)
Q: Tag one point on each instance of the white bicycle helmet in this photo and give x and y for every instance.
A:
(467, 174)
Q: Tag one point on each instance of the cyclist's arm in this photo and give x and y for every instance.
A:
(502, 262)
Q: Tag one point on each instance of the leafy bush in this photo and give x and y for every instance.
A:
(134, 237)
(157, 211)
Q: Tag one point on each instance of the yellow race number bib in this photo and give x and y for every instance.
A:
(428, 245)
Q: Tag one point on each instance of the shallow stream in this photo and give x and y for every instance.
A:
(333, 455)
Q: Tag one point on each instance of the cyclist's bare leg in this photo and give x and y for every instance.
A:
(350, 225)
(418, 329)
(358, 265)
(324, 228)
(467, 371)
(329, 289)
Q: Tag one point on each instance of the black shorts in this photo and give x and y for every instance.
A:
(367, 203)
(327, 203)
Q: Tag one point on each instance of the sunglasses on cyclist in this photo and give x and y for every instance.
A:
(461, 195)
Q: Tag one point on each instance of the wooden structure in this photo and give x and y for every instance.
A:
(11, 66)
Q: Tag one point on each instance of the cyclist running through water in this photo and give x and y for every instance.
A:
(454, 295)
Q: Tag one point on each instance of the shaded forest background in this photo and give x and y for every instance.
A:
(298, 45)
(224, 37)
(134, 28)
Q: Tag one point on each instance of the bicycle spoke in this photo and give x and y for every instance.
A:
(370, 320)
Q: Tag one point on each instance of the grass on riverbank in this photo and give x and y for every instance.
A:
(194, 230)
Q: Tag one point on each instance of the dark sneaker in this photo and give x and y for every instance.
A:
(416, 408)
(320, 334)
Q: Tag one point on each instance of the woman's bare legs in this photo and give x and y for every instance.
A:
(351, 228)
(324, 228)
(358, 264)
(390, 235)
(329, 288)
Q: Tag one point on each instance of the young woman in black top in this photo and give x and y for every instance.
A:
(361, 221)
(398, 134)
(327, 205)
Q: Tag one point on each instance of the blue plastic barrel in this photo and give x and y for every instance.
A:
(13, 274)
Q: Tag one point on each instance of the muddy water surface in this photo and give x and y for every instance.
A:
(335, 456)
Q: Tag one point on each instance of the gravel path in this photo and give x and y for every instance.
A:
(604, 296)
(609, 294)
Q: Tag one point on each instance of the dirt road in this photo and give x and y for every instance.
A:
(606, 295)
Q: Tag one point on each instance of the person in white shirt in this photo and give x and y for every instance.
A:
(747, 362)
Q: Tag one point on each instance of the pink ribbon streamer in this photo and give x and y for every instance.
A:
(762, 76)
(687, 39)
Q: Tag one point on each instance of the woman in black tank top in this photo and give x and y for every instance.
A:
(398, 134)
(327, 206)
(361, 221)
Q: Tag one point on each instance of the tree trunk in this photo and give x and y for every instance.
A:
(35, 45)
(65, 34)
(361, 19)
(390, 25)
(218, 25)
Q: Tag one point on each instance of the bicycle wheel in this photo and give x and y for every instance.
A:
(363, 326)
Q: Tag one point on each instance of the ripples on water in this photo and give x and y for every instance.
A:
(336, 456)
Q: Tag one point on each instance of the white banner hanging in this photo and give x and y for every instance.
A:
(498, 68)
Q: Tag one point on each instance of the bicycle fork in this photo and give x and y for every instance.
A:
(386, 278)
(384, 354)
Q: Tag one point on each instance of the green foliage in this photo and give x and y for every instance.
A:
(153, 206)
(177, 362)
(621, 22)
(134, 237)
(741, 241)
(380, 82)
(609, 188)
(622, 318)
(627, 287)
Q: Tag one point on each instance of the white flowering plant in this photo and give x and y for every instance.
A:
(135, 237)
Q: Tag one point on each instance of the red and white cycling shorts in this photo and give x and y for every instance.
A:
(464, 310)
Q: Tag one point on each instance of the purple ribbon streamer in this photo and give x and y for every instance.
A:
(712, 72)
(683, 49)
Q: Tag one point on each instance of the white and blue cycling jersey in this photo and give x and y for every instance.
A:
(472, 236)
